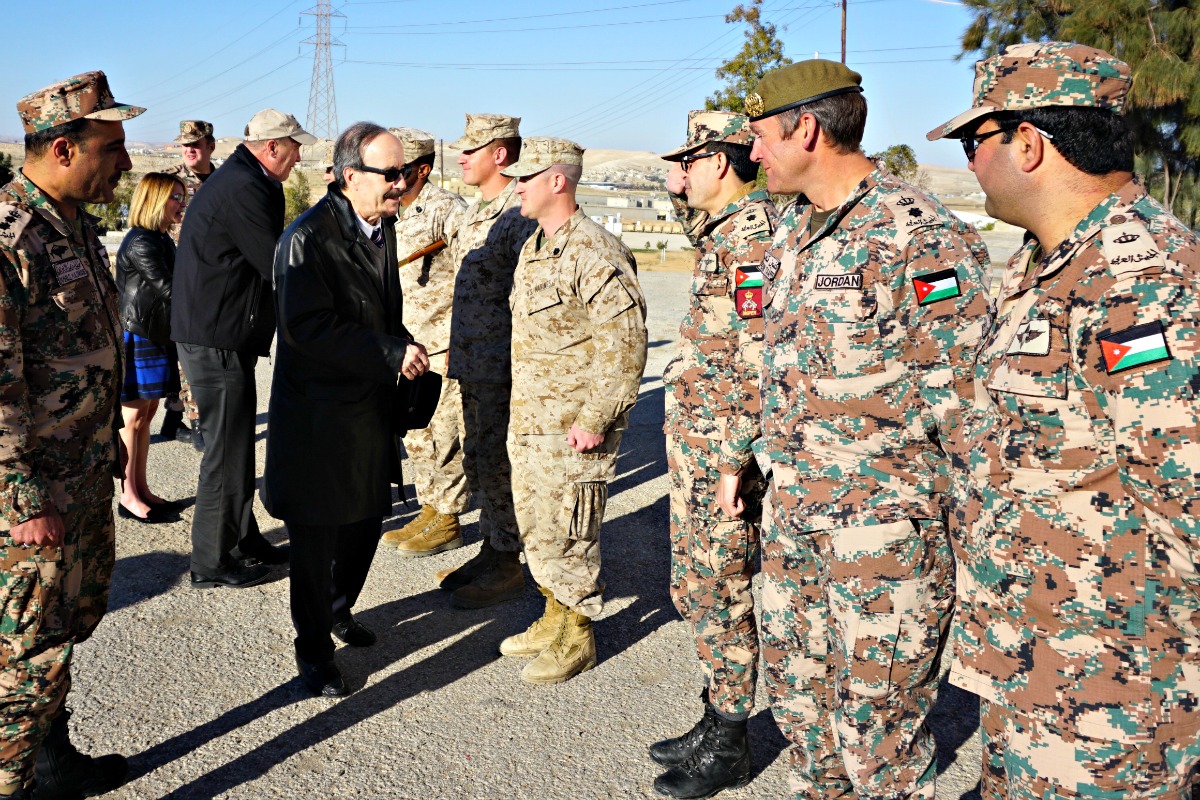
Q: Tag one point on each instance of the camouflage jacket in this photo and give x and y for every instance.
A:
(60, 348)
(191, 182)
(428, 282)
(485, 247)
(871, 327)
(693, 220)
(578, 332)
(712, 384)
(1078, 531)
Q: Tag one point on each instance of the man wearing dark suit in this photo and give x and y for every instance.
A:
(342, 348)
(223, 317)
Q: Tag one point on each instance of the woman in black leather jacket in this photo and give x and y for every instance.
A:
(145, 264)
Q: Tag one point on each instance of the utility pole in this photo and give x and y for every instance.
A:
(322, 102)
(843, 31)
(442, 172)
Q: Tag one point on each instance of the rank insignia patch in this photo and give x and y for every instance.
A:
(1133, 347)
(935, 286)
(1031, 339)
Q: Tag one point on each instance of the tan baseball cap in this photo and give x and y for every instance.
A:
(1042, 74)
(193, 130)
(712, 126)
(417, 143)
(272, 124)
(84, 96)
(540, 153)
(484, 128)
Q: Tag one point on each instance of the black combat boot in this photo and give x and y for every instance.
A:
(172, 424)
(670, 752)
(721, 761)
(64, 773)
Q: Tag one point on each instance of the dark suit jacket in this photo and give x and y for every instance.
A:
(222, 285)
(341, 346)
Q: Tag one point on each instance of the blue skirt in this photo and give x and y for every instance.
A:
(148, 369)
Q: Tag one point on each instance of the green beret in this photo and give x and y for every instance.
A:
(797, 84)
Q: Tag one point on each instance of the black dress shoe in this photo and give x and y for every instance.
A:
(238, 577)
(168, 507)
(197, 439)
(354, 633)
(267, 554)
(156, 515)
(323, 679)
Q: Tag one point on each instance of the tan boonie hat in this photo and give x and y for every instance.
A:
(417, 143)
(272, 124)
(1042, 74)
(484, 128)
(798, 84)
(193, 130)
(85, 96)
(713, 126)
(540, 153)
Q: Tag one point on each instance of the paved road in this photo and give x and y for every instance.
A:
(198, 688)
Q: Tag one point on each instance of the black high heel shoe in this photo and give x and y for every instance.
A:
(154, 516)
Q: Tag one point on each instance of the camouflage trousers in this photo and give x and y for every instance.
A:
(561, 496)
(1027, 759)
(485, 461)
(190, 412)
(852, 623)
(436, 454)
(712, 564)
(53, 599)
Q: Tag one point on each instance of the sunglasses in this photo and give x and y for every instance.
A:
(970, 142)
(686, 162)
(179, 198)
(391, 174)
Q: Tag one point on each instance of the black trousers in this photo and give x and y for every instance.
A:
(329, 567)
(223, 524)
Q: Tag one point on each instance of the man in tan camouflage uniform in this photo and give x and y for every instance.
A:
(427, 218)
(710, 421)
(1077, 501)
(578, 352)
(485, 247)
(60, 382)
(197, 143)
(875, 301)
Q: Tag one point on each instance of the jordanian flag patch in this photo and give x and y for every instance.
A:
(748, 278)
(936, 286)
(1133, 347)
(748, 292)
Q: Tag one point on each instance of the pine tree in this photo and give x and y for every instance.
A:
(761, 52)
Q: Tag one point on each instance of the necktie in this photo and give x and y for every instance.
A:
(377, 236)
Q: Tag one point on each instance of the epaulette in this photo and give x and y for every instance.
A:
(753, 222)
(1129, 247)
(14, 220)
(911, 211)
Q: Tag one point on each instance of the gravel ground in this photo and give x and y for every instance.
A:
(199, 690)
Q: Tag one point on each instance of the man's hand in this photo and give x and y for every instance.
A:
(728, 497)
(416, 361)
(582, 440)
(45, 529)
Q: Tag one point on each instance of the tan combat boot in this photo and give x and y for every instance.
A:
(457, 577)
(538, 636)
(573, 651)
(441, 533)
(502, 579)
(414, 526)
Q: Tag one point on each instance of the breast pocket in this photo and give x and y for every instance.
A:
(845, 330)
(545, 310)
(81, 325)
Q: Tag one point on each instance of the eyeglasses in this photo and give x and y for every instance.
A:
(686, 161)
(179, 198)
(970, 142)
(391, 174)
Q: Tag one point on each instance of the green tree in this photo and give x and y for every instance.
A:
(761, 52)
(901, 161)
(114, 216)
(661, 244)
(297, 196)
(6, 168)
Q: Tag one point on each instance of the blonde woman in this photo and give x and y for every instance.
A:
(145, 265)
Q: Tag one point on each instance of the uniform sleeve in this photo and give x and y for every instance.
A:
(693, 220)
(618, 319)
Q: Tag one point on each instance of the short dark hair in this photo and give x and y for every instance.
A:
(843, 119)
(1093, 140)
(511, 145)
(428, 158)
(739, 159)
(349, 148)
(38, 142)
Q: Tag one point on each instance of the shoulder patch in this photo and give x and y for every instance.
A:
(13, 221)
(911, 211)
(1129, 248)
(1134, 347)
(770, 266)
(1031, 339)
(754, 223)
(934, 286)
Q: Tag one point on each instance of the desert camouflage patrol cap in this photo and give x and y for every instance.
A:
(193, 130)
(712, 126)
(84, 96)
(272, 124)
(1042, 74)
(484, 128)
(540, 153)
(417, 143)
(797, 84)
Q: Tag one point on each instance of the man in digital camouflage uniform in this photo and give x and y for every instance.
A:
(710, 421)
(485, 247)
(1077, 501)
(875, 303)
(578, 352)
(60, 384)
(426, 222)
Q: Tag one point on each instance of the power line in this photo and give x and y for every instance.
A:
(322, 99)
(402, 30)
(531, 16)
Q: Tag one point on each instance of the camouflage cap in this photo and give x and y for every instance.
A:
(484, 128)
(84, 96)
(417, 143)
(712, 126)
(540, 153)
(797, 84)
(272, 124)
(193, 130)
(1041, 74)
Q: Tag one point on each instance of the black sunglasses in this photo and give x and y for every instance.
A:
(686, 161)
(970, 142)
(391, 174)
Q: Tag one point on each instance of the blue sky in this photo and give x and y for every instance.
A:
(607, 73)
